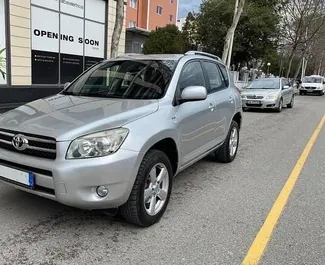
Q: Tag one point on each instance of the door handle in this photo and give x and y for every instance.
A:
(211, 106)
(231, 99)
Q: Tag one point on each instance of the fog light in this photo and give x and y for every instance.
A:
(102, 191)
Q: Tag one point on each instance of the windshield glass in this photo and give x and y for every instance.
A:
(125, 79)
(311, 79)
(264, 84)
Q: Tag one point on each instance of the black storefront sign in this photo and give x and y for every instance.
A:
(45, 67)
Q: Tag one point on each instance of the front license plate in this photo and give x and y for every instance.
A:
(310, 90)
(254, 102)
(18, 176)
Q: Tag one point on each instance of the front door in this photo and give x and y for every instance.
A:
(196, 120)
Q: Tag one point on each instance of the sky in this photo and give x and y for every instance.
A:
(186, 6)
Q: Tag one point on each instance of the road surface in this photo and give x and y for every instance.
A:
(215, 212)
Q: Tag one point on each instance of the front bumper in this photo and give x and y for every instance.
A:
(312, 90)
(260, 103)
(74, 182)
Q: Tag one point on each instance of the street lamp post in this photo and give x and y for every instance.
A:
(268, 68)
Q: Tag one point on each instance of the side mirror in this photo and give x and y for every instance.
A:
(194, 93)
(66, 85)
(286, 87)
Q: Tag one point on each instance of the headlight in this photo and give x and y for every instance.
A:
(97, 144)
(272, 96)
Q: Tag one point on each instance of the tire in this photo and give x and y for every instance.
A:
(135, 209)
(279, 109)
(290, 105)
(223, 154)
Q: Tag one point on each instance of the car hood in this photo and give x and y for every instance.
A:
(258, 92)
(68, 117)
(311, 84)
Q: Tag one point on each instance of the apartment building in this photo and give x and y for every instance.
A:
(46, 43)
(143, 16)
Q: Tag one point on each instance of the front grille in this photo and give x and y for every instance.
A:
(310, 87)
(38, 146)
(254, 105)
(255, 97)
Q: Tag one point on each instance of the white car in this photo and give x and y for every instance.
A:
(314, 84)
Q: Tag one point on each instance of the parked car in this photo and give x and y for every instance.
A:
(268, 93)
(313, 84)
(118, 134)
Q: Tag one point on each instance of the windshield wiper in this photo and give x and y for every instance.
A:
(68, 93)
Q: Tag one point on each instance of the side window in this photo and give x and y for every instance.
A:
(215, 77)
(192, 75)
(225, 74)
(284, 83)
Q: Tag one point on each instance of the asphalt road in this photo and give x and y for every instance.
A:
(214, 214)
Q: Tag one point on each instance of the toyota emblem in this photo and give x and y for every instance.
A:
(19, 142)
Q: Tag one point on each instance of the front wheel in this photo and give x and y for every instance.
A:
(228, 151)
(151, 191)
(279, 108)
(290, 105)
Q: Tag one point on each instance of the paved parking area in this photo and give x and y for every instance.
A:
(214, 214)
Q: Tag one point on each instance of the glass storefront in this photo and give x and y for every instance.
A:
(3, 51)
(68, 36)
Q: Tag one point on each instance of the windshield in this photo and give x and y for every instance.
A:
(125, 79)
(311, 79)
(264, 84)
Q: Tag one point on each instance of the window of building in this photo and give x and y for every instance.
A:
(159, 10)
(3, 66)
(171, 17)
(133, 3)
(171, 1)
(132, 24)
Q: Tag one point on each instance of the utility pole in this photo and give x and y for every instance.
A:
(232, 38)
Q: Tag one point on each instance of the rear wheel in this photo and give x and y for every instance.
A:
(228, 151)
(151, 191)
(290, 105)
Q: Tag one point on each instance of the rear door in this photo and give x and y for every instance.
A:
(218, 89)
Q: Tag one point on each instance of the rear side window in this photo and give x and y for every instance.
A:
(215, 77)
(192, 75)
(225, 74)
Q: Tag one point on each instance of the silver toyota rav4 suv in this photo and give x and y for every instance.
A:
(117, 135)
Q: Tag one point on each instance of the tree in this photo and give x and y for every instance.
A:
(119, 21)
(165, 40)
(231, 31)
(190, 32)
(301, 21)
(256, 31)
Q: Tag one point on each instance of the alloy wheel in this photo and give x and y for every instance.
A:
(233, 141)
(156, 189)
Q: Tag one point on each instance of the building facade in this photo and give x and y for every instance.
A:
(44, 44)
(143, 16)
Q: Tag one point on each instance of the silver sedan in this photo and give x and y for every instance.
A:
(268, 93)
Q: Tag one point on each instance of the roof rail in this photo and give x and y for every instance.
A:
(203, 54)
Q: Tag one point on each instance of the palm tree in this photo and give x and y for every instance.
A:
(2, 63)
